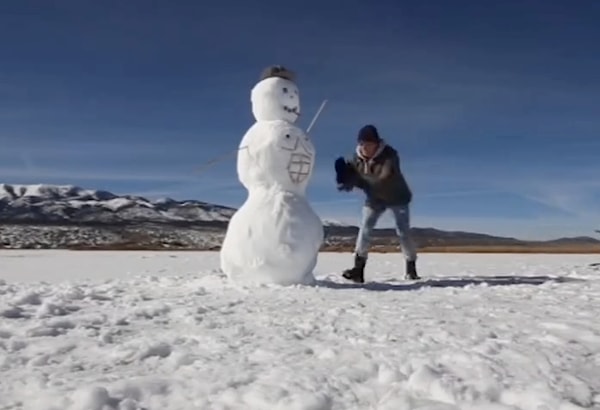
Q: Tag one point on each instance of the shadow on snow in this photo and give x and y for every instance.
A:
(443, 282)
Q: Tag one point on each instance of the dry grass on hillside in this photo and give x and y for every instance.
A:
(550, 249)
(588, 249)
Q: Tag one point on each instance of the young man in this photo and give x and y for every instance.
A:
(375, 168)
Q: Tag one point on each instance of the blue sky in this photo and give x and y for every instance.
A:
(494, 108)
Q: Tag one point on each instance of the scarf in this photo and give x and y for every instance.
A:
(369, 161)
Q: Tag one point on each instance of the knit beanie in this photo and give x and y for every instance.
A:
(368, 133)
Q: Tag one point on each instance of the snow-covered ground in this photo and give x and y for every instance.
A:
(164, 330)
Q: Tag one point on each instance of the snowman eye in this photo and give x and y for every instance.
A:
(289, 143)
(285, 90)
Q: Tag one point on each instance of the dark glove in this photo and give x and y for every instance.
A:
(342, 175)
(344, 187)
(341, 170)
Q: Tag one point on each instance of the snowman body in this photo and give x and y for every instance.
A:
(275, 236)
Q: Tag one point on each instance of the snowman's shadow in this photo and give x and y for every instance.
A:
(448, 282)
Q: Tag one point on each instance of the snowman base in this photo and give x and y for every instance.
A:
(273, 238)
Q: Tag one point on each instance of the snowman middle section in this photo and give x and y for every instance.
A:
(275, 236)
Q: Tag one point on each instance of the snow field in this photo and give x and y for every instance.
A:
(165, 330)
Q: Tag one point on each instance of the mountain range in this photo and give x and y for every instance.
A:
(58, 216)
(45, 204)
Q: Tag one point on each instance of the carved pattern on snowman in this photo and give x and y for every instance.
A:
(275, 236)
(276, 155)
(301, 163)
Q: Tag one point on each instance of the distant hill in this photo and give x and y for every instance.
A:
(46, 204)
(65, 216)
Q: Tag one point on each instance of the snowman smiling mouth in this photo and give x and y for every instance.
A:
(293, 110)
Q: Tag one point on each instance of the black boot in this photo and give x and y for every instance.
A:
(411, 270)
(357, 273)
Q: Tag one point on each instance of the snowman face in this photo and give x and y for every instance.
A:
(276, 98)
(276, 153)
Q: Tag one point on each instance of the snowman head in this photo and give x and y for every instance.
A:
(276, 154)
(276, 98)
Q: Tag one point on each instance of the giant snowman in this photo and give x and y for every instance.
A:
(275, 236)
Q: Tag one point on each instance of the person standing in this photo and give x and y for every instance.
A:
(375, 169)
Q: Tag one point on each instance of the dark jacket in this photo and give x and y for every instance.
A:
(381, 178)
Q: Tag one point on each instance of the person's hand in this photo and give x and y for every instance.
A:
(340, 170)
(344, 187)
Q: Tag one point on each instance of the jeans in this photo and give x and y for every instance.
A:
(402, 221)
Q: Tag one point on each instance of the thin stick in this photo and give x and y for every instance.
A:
(220, 158)
(316, 116)
(215, 160)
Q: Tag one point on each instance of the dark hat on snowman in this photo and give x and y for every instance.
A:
(277, 71)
